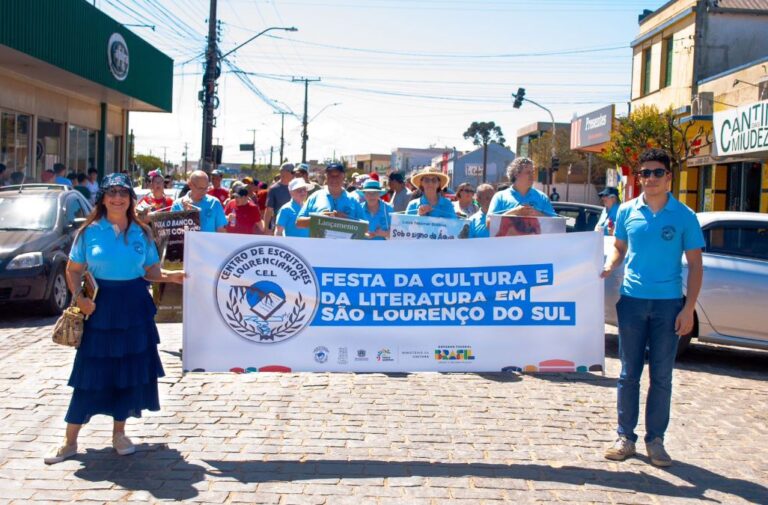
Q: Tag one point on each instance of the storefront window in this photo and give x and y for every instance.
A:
(743, 191)
(50, 137)
(82, 149)
(14, 141)
(706, 197)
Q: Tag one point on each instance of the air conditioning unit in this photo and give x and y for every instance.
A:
(701, 105)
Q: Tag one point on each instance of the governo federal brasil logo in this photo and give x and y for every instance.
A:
(266, 293)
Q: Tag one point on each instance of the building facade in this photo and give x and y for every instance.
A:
(69, 75)
(687, 55)
(367, 163)
(408, 160)
(468, 167)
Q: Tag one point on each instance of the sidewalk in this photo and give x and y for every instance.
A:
(409, 439)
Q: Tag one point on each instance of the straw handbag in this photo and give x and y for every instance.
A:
(68, 330)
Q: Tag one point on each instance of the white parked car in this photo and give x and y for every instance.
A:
(732, 308)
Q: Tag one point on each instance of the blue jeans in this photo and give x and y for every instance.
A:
(646, 324)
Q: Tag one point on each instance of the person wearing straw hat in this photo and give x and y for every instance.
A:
(156, 200)
(376, 211)
(432, 182)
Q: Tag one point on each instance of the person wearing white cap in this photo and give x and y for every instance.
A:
(285, 224)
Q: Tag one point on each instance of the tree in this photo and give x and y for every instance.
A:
(483, 133)
(540, 151)
(647, 128)
(147, 163)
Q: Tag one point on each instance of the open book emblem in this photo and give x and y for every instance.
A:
(268, 304)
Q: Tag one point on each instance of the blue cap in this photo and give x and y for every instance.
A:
(372, 186)
(121, 180)
(608, 191)
(336, 166)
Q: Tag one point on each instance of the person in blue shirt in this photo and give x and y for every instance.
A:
(212, 216)
(59, 171)
(653, 231)
(375, 210)
(478, 221)
(285, 223)
(521, 199)
(333, 200)
(431, 182)
(117, 364)
(607, 221)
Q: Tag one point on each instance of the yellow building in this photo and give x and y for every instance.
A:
(683, 57)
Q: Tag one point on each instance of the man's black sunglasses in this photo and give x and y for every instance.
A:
(657, 172)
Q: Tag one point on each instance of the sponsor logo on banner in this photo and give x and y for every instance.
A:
(321, 354)
(412, 354)
(343, 358)
(362, 355)
(266, 293)
(454, 353)
(384, 355)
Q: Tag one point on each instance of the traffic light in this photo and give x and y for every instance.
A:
(519, 98)
(555, 163)
(216, 153)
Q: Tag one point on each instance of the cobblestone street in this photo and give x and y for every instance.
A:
(382, 438)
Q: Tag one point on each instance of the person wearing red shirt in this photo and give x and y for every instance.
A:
(261, 196)
(243, 216)
(156, 199)
(217, 191)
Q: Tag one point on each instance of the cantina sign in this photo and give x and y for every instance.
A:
(742, 130)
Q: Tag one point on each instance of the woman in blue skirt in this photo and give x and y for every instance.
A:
(117, 365)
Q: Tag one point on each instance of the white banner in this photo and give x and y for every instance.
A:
(409, 227)
(258, 303)
(742, 130)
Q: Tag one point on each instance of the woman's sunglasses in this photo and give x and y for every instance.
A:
(125, 193)
(656, 172)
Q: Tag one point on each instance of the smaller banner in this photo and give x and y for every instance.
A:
(590, 131)
(741, 130)
(170, 228)
(511, 226)
(408, 227)
(336, 227)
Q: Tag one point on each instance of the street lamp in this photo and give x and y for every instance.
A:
(321, 110)
(519, 98)
(287, 29)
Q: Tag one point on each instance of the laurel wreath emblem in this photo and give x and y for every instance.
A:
(237, 320)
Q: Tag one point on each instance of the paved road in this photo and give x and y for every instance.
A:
(382, 438)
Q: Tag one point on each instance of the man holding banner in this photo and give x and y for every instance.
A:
(521, 199)
(333, 200)
(212, 216)
(653, 231)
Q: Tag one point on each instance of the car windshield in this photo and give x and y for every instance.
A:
(27, 213)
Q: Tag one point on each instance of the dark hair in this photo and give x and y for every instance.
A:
(93, 171)
(659, 155)
(72, 176)
(58, 168)
(100, 210)
(16, 178)
(263, 185)
(464, 186)
(2, 168)
(81, 177)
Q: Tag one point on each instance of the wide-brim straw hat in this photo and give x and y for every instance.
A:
(430, 171)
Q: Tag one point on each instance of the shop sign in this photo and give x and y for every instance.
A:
(592, 129)
(741, 130)
(117, 56)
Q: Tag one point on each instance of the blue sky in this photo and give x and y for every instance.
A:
(409, 73)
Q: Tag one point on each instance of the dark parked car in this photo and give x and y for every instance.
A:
(37, 225)
(579, 216)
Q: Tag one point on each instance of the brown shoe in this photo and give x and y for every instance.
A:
(622, 449)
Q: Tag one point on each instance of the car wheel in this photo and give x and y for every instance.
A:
(58, 299)
(684, 340)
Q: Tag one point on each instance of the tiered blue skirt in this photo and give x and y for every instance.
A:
(117, 365)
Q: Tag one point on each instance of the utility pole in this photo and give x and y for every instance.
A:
(186, 150)
(282, 132)
(271, 150)
(304, 136)
(253, 152)
(208, 95)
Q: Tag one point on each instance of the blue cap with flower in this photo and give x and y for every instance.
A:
(119, 180)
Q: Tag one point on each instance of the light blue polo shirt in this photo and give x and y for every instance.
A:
(444, 208)
(656, 245)
(211, 212)
(605, 215)
(380, 220)
(110, 256)
(322, 201)
(62, 180)
(511, 198)
(286, 217)
(477, 225)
